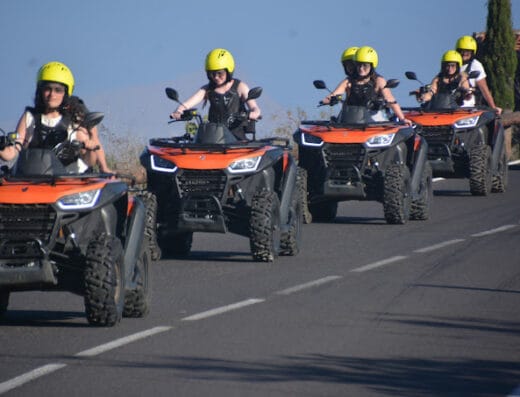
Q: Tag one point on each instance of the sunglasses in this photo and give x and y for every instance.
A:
(217, 73)
(57, 88)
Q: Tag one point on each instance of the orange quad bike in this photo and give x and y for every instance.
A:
(210, 181)
(463, 142)
(362, 155)
(61, 230)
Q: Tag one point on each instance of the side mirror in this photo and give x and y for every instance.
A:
(254, 93)
(410, 75)
(319, 84)
(172, 94)
(392, 83)
(92, 119)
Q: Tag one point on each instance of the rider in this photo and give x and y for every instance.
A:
(467, 47)
(366, 85)
(449, 80)
(225, 94)
(347, 60)
(50, 122)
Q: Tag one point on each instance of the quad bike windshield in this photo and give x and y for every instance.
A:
(444, 102)
(355, 117)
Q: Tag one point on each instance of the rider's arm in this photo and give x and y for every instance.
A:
(427, 96)
(390, 100)
(486, 93)
(191, 102)
(339, 90)
(252, 106)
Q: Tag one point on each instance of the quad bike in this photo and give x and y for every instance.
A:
(77, 232)
(353, 157)
(209, 181)
(462, 142)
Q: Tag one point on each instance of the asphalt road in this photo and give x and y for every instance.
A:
(366, 309)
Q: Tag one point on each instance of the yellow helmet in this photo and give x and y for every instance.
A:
(348, 54)
(366, 55)
(452, 56)
(219, 59)
(57, 72)
(466, 43)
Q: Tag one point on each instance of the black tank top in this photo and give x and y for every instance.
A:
(362, 94)
(45, 137)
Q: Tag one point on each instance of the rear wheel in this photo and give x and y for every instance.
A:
(137, 300)
(324, 211)
(291, 240)
(396, 195)
(302, 181)
(264, 238)
(176, 244)
(104, 281)
(150, 231)
(4, 302)
(480, 176)
(500, 180)
(420, 208)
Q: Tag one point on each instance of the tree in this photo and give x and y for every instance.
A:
(498, 53)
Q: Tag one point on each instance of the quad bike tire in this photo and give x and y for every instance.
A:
(137, 300)
(396, 195)
(150, 202)
(499, 184)
(420, 208)
(480, 176)
(325, 211)
(301, 179)
(291, 240)
(264, 238)
(104, 281)
(4, 302)
(176, 244)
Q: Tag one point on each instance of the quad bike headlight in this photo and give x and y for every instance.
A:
(244, 165)
(311, 140)
(380, 140)
(80, 200)
(469, 122)
(159, 164)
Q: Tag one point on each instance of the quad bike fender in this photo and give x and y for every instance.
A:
(134, 239)
(288, 188)
(421, 158)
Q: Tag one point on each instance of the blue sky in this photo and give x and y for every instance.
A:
(124, 52)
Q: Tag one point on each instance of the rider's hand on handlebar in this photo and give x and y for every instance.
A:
(254, 114)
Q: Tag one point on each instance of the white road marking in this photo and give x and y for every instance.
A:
(438, 246)
(122, 341)
(29, 376)
(222, 309)
(377, 264)
(310, 284)
(493, 231)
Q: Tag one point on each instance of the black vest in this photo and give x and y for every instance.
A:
(362, 94)
(45, 137)
(224, 105)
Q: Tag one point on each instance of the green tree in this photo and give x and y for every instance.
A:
(498, 53)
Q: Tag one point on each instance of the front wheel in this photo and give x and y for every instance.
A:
(302, 187)
(264, 226)
(324, 211)
(396, 195)
(104, 281)
(176, 245)
(150, 202)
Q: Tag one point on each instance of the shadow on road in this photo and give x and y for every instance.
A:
(43, 318)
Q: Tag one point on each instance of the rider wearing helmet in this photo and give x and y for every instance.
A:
(225, 94)
(467, 47)
(347, 60)
(366, 85)
(450, 80)
(50, 121)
